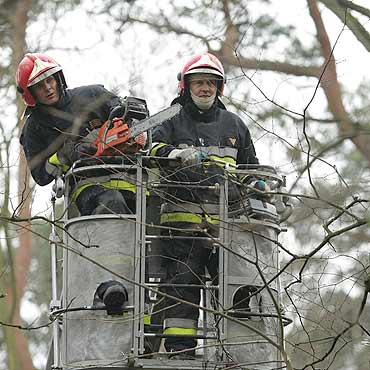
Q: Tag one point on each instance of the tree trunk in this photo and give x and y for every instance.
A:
(332, 89)
(342, 9)
(16, 341)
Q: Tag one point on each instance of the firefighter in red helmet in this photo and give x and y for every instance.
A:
(204, 137)
(61, 125)
(35, 68)
(205, 63)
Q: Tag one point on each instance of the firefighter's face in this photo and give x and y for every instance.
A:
(46, 91)
(203, 85)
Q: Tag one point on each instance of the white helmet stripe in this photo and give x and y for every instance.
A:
(205, 60)
(40, 66)
(204, 70)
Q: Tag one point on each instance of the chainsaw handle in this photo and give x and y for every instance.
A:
(113, 133)
(118, 111)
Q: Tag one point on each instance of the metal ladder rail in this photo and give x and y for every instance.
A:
(139, 291)
(206, 330)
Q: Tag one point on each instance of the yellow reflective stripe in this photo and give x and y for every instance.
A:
(182, 331)
(155, 149)
(55, 161)
(217, 160)
(112, 184)
(119, 184)
(79, 190)
(188, 217)
(147, 320)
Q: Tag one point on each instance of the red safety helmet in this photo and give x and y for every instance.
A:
(34, 68)
(202, 63)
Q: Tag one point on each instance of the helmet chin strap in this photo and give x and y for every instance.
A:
(203, 103)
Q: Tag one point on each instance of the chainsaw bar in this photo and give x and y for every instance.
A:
(115, 136)
(154, 120)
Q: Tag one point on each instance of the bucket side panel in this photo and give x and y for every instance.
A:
(93, 335)
(252, 262)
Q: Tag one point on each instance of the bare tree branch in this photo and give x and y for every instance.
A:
(341, 10)
(331, 86)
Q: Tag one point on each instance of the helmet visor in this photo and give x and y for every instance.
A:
(209, 71)
(204, 77)
(44, 75)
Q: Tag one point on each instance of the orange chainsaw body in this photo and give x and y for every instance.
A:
(114, 138)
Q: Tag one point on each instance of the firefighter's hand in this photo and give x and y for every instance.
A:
(262, 187)
(52, 169)
(85, 147)
(57, 164)
(85, 150)
(188, 157)
(141, 140)
(65, 154)
(91, 136)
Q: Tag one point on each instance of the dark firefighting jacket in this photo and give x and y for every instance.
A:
(224, 141)
(222, 137)
(47, 127)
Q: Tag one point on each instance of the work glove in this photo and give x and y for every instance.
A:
(86, 147)
(141, 139)
(71, 151)
(66, 154)
(262, 186)
(117, 112)
(188, 157)
(53, 169)
(61, 161)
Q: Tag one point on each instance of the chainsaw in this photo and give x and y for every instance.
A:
(124, 131)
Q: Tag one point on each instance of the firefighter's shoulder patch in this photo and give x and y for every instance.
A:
(232, 141)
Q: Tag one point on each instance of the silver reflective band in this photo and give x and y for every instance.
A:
(44, 75)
